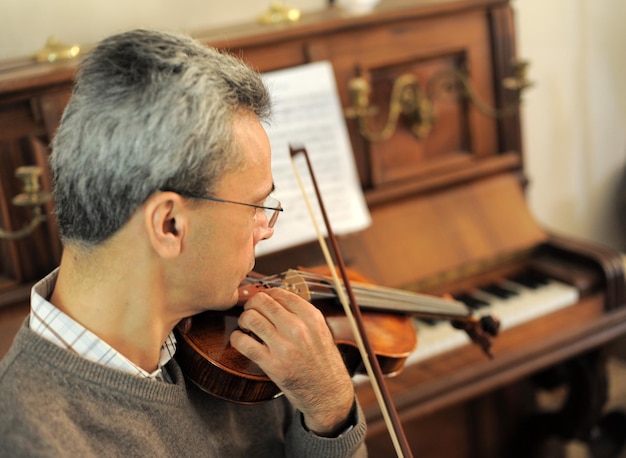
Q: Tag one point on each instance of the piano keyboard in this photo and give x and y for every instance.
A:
(513, 302)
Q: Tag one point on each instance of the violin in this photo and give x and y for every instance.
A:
(208, 359)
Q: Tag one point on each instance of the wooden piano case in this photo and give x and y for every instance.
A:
(448, 213)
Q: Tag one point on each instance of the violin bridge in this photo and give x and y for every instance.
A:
(294, 282)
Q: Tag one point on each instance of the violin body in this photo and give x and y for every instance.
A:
(207, 358)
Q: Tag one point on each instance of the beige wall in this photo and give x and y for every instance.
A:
(574, 118)
(26, 24)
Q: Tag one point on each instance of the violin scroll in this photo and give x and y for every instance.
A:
(480, 331)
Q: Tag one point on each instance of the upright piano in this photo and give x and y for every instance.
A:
(445, 189)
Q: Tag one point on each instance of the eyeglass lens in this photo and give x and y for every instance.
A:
(270, 212)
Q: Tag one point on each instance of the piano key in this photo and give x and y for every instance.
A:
(499, 291)
(533, 298)
(472, 302)
(434, 340)
(534, 303)
(530, 279)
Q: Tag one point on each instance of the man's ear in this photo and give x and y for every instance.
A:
(165, 220)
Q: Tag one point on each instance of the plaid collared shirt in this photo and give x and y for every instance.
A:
(54, 325)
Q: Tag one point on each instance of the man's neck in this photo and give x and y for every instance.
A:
(122, 305)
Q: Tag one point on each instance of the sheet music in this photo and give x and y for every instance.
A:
(307, 112)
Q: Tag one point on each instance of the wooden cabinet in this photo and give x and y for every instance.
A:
(28, 118)
(449, 48)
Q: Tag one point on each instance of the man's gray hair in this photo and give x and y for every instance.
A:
(149, 111)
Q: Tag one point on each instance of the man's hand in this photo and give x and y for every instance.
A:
(298, 353)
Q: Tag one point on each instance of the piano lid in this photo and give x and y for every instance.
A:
(443, 232)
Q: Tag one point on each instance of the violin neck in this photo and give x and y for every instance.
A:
(313, 287)
(397, 301)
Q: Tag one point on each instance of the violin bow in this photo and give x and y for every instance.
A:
(353, 313)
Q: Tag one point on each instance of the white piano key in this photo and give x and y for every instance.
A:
(436, 339)
(529, 304)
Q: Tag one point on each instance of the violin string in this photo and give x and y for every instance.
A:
(386, 293)
(387, 299)
(373, 299)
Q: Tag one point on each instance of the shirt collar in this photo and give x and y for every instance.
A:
(54, 325)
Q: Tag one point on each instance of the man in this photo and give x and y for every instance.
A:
(162, 177)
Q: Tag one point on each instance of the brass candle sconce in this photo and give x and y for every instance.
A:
(456, 81)
(416, 104)
(54, 50)
(407, 99)
(279, 13)
(32, 197)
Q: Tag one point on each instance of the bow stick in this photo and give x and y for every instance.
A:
(353, 314)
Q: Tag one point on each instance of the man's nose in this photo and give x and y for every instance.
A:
(263, 232)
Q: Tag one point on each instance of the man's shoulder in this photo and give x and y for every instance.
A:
(18, 422)
(22, 372)
(16, 381)
(29, 398)
(11, 361)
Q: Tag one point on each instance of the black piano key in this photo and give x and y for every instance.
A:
(430, 321)
(499, 291)
(532, 280)
(471, 301)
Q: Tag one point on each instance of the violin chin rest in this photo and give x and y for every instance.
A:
(184, 325)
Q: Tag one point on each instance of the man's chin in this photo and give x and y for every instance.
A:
(227, 304)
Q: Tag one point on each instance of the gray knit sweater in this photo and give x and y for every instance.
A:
(54, 403)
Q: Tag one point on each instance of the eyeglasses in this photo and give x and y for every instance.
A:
(271, 207)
